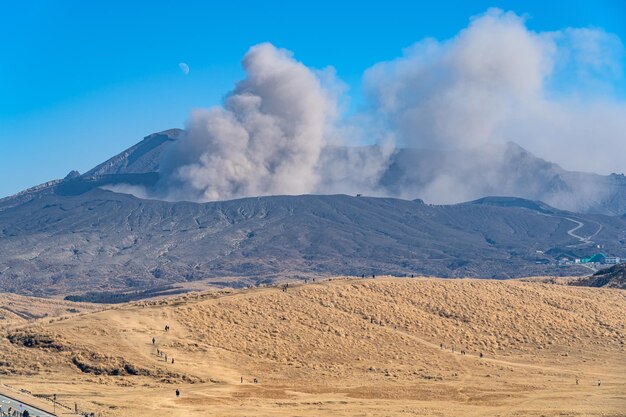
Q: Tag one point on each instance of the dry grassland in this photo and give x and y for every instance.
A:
(341, 348)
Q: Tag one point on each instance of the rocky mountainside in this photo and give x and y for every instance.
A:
(505, 170)
(614, 277)
(71, 236)
(104, 241)
(141, 158)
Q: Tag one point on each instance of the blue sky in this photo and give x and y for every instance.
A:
(81, 81)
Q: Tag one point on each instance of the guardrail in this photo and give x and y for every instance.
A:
(18, 413)
(46, 397)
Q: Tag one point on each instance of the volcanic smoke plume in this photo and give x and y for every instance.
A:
(457, 102)
(266, 139)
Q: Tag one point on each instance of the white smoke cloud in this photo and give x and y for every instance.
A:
(459, 101)
(498, 81)
(267, 138)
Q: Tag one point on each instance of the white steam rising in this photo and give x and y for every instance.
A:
(267, 138)
(496, 81)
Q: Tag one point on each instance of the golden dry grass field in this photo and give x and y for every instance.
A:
(343, 347)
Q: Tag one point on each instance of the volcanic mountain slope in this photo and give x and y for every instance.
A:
(142, 158)
(70, 236)
(443, 176)
(342, 347)
(105, 241)
(614, 277)
(19, 309)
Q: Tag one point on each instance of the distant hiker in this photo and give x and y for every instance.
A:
(158, 352)
(242, 380)
(599, 382)
(441, 346)
(26, 414)
(177, 392)
(412, 276)
(166, 357)
(576, 381)
(373, 276)
(481, 354)
(362, 275)
(452, 348)
(256, 381)
(153, 340)
(172, 361)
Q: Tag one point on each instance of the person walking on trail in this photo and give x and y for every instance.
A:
(166, 357)
(177, 392)
(481, 354)
(153, 340)
(172, 361)
(242, 380)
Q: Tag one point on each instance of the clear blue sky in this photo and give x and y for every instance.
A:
(82, 80)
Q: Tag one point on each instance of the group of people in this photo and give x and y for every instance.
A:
(162, 354)
(159, 352)
(453, 349)
(255, 380)
(11, 412)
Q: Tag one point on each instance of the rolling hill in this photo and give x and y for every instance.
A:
(613, 277)
(377, 347)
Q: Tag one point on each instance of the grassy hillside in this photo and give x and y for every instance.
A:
(341, 347)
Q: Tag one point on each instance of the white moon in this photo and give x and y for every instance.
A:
(184, 68)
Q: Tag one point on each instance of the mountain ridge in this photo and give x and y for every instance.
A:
(77, 236)
(505, 170)
(104, 241)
